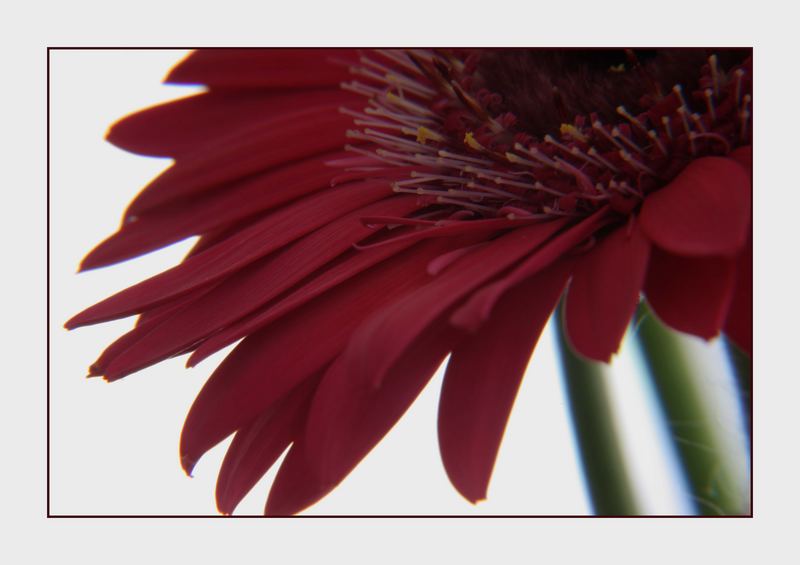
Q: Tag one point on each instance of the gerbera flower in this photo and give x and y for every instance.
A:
(363, 215)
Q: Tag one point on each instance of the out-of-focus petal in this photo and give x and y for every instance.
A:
(294, 135)
(604, 292)
(180, 127)
(260, 68)
(704, 211)
(690, 294)
(739, 325)
(483, 376)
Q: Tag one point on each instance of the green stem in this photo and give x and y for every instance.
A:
(604, 466)
(743, 369)
(712, 480)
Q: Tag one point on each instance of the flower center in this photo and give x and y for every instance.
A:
(543, 133)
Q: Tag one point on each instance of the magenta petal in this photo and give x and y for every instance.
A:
(604, 292)
(257, 446)
(704, 211)
(482, 379)
(690, 294)
(739, 325)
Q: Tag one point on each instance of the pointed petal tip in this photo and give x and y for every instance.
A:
(187, 464)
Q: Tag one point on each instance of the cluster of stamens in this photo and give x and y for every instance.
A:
(429, 113)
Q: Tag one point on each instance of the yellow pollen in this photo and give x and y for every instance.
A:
(424, 134)
(470, 140)
(572, 131)
(617, 69)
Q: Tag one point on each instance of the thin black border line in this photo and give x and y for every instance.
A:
(348, 516)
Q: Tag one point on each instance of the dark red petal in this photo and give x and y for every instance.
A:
(690, 294)
(476, 311)
(349, 415)
(604, 292)
(704, 211)
(482, 379)
(739, 325)
(272, 232)
(257, 446)
(744, 156)
(216, 209)
(273, 68)
(296, 486)
(182, 126)
(266, 365)
(355, 263)
(300, 134)
(384, 339)
(247, 290)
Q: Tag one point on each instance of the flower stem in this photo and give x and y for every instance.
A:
(604, 467)
(712, 479)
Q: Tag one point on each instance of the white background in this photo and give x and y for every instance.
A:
(386, 540)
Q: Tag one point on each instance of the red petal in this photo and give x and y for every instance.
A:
(739, 325)
(292, 136)
(355, 263)
(257, 446)
(266, 365)
(247, 290)
(744, 156)
(212, 210)
(182, 126)
(482, 379)
(383, 341)
(704, 211)
(252, 243)
(476, 311)
(273, 68)
(605, 291)
(690, 294)
(348, 416)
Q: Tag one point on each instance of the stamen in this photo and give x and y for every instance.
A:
(583, 179)
(677, 89)
(698, 121)
(628, 158)
(598, 126)
(551, 140)
(744, 115)
(412, 107)
(596, 154)
(400, 58)
(682, 111)
(468, 205)
(631, 118)
(630, 143)
(667, 127)
(472, 143)
(710, 103)
(739, 74)
(536, 154)
(449, 155)
(576, 151)
(517, 160)
(712, 63)
(652, 134)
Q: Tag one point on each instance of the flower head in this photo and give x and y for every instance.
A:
(363, 215)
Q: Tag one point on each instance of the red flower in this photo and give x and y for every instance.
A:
(477, 187)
